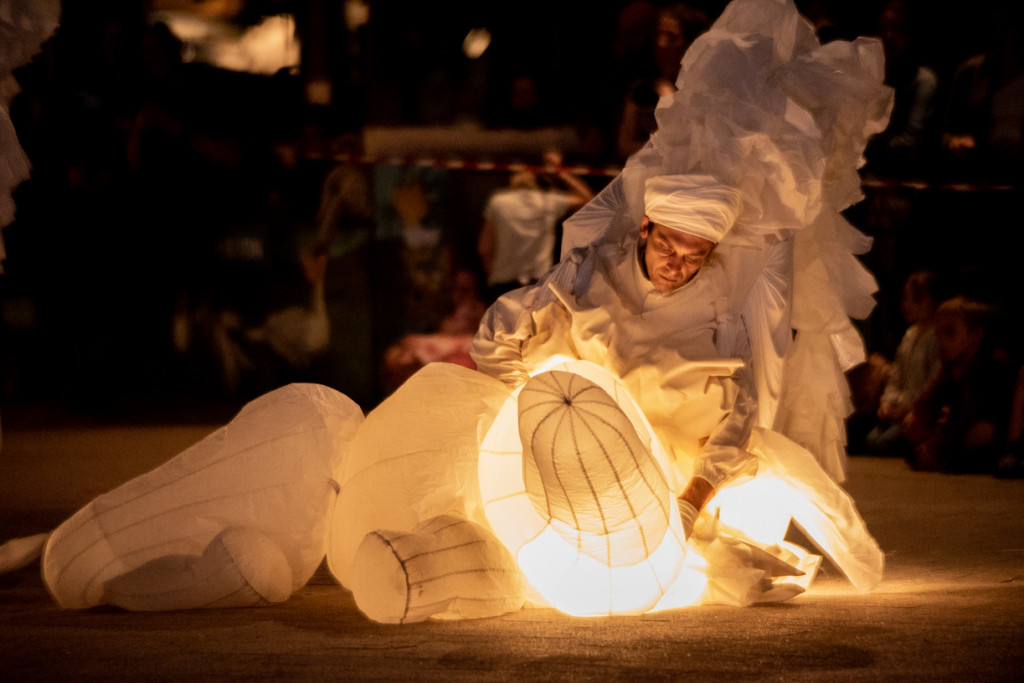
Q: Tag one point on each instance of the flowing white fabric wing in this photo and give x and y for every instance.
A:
(763, 106)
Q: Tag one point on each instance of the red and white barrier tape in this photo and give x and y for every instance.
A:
(611, 171)
(456, 164)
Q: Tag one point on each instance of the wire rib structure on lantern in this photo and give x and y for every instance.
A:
(588, 472)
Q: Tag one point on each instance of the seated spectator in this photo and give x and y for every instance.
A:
(984, 120)
(678, 25)
(518, 241)
(449, 344)
(1011, 465)
(867, 382)
(960, 422)
(904, 147)
(914, 368)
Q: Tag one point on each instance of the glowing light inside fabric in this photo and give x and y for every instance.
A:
(745, 552)
(557, 567)
(476, 43)
(264, 48)
(760, 507)
(587, 471)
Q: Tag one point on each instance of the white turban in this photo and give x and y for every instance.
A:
(696, 204)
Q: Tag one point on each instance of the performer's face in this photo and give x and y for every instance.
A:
(672, 257)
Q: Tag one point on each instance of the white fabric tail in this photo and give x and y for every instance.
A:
(19, 552)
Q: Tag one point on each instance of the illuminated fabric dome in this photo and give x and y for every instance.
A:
(587, 471)
(413, 461)
(445, 567)
(568, 564)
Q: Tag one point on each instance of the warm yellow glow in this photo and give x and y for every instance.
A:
(476, 42)
(318, 92)
(265, 48)
(760, 507)
(205, 8)
(357, 14)
(563, 575)
(581, 585)
(755, 516)
(187, 27)
(690, 585)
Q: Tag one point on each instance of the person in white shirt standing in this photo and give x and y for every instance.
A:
(518, 239)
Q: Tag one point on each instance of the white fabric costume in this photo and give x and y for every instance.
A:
(766, 109)
(467, 493)
(675, 352)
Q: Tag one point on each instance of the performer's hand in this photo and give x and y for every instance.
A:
(697, 492)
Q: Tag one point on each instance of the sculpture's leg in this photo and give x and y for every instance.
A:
(448, 567)
(239, 568)
(19, 552)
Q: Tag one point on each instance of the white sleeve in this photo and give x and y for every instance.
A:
(724, 456)
(766, 316)
(497, 347)
(761, 336)
(593, 222)
(508, 323)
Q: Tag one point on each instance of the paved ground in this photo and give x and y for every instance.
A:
(950, 608)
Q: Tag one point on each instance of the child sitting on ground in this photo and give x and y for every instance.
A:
(959, 424)
(914, 368)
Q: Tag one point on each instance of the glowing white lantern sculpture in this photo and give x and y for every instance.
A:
(587, 471)
(570, 570)
(407, 535)
(610, 542)
(446, 566)
(238, 519)
(442, 514)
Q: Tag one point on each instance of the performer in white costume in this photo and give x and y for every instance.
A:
(650, 311)
(656, 361)
(762, 111)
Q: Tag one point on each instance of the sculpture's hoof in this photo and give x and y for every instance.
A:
(239, 568)
(447, 567)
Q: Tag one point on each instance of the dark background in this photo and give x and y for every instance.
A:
(104, 256)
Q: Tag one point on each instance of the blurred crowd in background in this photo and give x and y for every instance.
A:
(196, 233)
